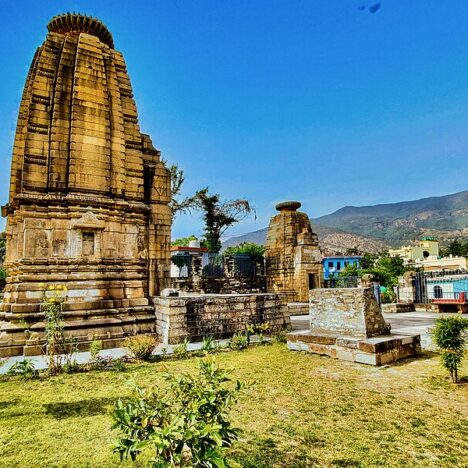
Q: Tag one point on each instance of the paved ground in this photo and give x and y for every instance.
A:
(408, 323)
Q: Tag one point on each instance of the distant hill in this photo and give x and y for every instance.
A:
(375, 228)
(332, 241)
(444, 217)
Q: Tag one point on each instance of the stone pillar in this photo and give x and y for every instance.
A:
(406, 288)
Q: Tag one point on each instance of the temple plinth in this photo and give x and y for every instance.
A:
(88, 201)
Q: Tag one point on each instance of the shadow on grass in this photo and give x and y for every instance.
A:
(7, 403)
(405, 361)
(265, 453)
(91, 407)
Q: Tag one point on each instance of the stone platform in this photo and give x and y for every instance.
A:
(347, 323)
(375, 351)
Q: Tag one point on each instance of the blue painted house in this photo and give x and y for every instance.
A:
(447, 287)
(332, 266)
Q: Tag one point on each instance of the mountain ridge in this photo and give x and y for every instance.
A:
(373, 228)
(445, 216)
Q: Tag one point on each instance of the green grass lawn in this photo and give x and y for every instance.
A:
(304, 410)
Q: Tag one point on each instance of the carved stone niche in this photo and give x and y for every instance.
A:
(36, 243)
(88, 236)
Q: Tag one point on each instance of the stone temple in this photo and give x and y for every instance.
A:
(293, 257)
(88, 201)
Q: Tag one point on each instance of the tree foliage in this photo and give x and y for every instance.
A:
(449, 336)
(184, 241)
(457, 248)
(384, 268)
(184, 423)
(219, 215)
(178, 204)
(256, 251)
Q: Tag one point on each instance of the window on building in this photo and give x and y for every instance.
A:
(425, 254)
(330, 264)
(88, 244)
(338, 266)
(346, 264)
(438, 293)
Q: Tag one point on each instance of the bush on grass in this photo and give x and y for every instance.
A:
(449, 336)
(239, 341)
(140, 347)
(182, 424)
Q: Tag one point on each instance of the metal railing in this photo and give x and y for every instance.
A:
(342, 282)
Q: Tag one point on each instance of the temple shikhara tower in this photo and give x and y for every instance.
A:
(88, 204)
(293, 257)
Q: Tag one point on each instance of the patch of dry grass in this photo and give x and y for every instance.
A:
(304, 410)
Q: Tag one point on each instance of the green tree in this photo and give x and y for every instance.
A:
(351, 270)
(385, 269)
(449, 336)
(219, 216)
(184, 241)
(457, 247)
(256, 251)
(368, 260)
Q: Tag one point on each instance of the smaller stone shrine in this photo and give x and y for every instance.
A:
(347, 323)
(293, 257)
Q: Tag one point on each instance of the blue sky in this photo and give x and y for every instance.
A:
(273, 100)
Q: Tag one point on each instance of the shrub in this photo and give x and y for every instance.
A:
(184, 423)
(256, 251)
(181, 350)
(208, 344)
(107, 363)
(260, 329)
(239, 341)
(140, 347)
(70, 364)
(449, 336)
(3, 275)
(25, 368)
(280, 337)
(388, 296)
(95, 348)
(53, 297)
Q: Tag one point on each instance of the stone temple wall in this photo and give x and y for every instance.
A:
(220, 316)
(88, 204)
(346, 312)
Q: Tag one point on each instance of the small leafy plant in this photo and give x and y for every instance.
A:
(141, 347)
(280, 337)
(259, 329)
(239, 341)
(25, 368)
(449, 336)
(208, 344)
(95, 348)
(107, 363)
(184, 423)
(181, 350)
(53, 297)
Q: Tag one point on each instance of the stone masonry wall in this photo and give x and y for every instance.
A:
(220, 316)
(352, 312)
(225, 285)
